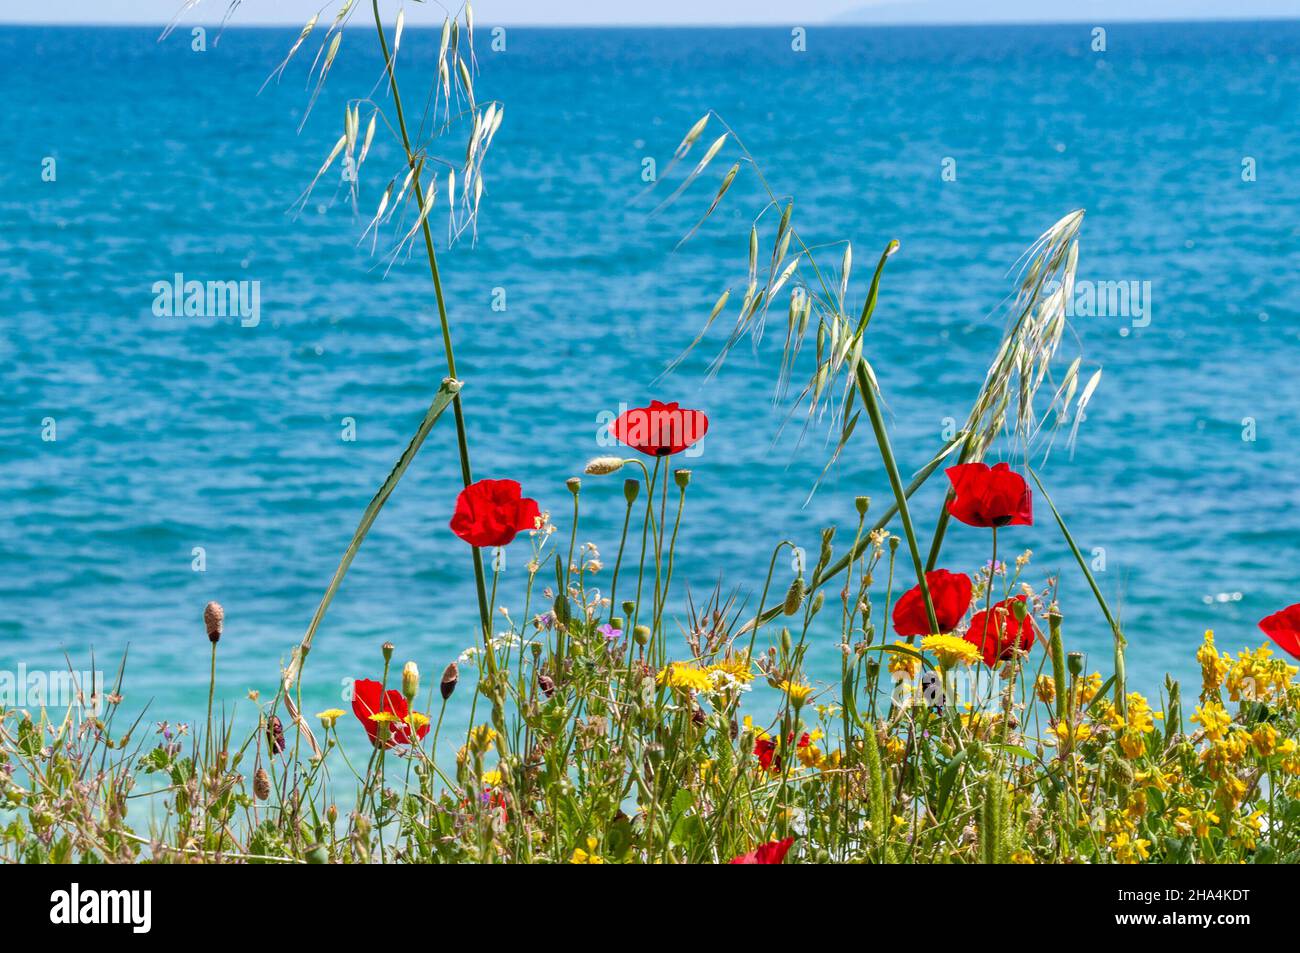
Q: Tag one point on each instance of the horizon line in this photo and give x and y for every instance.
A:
(834, 24)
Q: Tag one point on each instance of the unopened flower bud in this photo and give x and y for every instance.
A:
(641, 634)
(1020, 609)
(214, 617)
(603, 465)
(410, 681)
(630, 490)
(681, 478)
(450, 676)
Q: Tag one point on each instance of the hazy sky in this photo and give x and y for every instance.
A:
(567, 12)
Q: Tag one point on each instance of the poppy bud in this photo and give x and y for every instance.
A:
(387, 649)
(862, 503)
(410, 681)
(275, 735)
(641, 634)
(794, 596)
(1075, 661)
(786, 641)
(450, 676)
(631, 488)
(817, 603)
(681, 478)
(603, 465)
(332, 813)
(261, 784)
(574, 485)
(214, 617)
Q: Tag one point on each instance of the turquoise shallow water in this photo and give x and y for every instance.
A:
(183, 433)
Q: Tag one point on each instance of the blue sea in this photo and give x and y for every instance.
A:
(186, 444)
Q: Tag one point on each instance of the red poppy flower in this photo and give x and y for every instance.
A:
(770, 853)
(369, 699)
(491, 512)
(990, 496)
(765, 751)
(660, 430)
(1284, 629)
(997, 632)
(950, 593)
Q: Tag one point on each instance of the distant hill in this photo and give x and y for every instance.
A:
(901, 12)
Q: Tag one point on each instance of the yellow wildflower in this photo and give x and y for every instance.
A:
(1199, 820)
(905, 662)
(588, 856)
(730, 672)
(1265, 738)
(383, 717)
(684, 676)
(796, 692)
(1213, 718)
(1045, 689)
(1062, 731)
(1129, 850)
(1213, 665)
(491, 778)
(1022, 857)
(330, 716)
(950, 650)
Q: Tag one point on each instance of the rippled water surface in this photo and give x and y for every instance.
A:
(177, 433)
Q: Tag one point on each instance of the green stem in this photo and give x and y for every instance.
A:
(868, 392)
(462, 442)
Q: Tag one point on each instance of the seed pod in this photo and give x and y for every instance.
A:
(261, 784)
(214, 617)
(574, 485)
(641, 634)
(794, 596)
(450, 676)
(387, 649)
(862, 503)
(681, 478)
(1075, 662)
(275, 735)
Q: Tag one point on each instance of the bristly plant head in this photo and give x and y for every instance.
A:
(818, 310)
